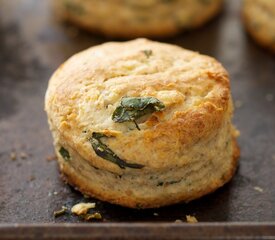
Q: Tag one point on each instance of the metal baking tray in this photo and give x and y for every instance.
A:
(33, 44)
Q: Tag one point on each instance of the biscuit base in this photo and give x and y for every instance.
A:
(70, 176)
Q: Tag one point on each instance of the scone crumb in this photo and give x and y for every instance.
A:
(31, 178)
(148, 53)
(51, 158)
(23, 155)
(155, 214)
(259, 189)
(178, 221)
(82, 208)
(13, 156)
(92, 216)
(191, 219)
(60, 212)
(238, 103)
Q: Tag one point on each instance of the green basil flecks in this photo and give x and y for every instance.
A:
(148, 53)
(64, 153)
(133, 108)
(168, 183)
(104, 152)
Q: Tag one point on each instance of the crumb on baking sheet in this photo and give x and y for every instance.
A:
(60, 212)
(51, 158)
(13, 156)
(178, 221)
(155, 214)
(238, 103)
(191, 219)
(92, 216)
(23, 155)
(31, 178)
(259, 189)
(82, 208)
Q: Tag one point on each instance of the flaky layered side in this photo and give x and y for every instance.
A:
(259, 18)
(179, 152)
(137, 18)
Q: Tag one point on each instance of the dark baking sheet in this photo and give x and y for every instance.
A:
(33, 44)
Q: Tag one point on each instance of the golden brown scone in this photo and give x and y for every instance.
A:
(138, 18)
(142, 124)
(259, 18)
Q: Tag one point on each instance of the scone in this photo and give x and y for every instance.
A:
(142, 124)
(138, 18)
(259, 17)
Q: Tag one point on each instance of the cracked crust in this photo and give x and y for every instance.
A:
(188, 149)
(259, 19)
(169, 18)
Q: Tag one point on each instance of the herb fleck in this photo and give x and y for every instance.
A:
(168, 183)
(148, 53)
(64, 153)
(168, 1)
(103, 151)
(160, 184)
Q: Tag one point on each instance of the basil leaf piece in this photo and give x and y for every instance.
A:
(133, 108)
(148, 53)
(106, 153)
(168, 183)
(64, 153)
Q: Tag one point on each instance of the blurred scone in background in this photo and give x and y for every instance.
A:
(138, 18)
(259, 18)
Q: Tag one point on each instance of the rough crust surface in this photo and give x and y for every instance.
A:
(259, 18)
(138, 18)
(188, 149)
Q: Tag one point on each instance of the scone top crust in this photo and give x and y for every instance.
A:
(85, 91)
